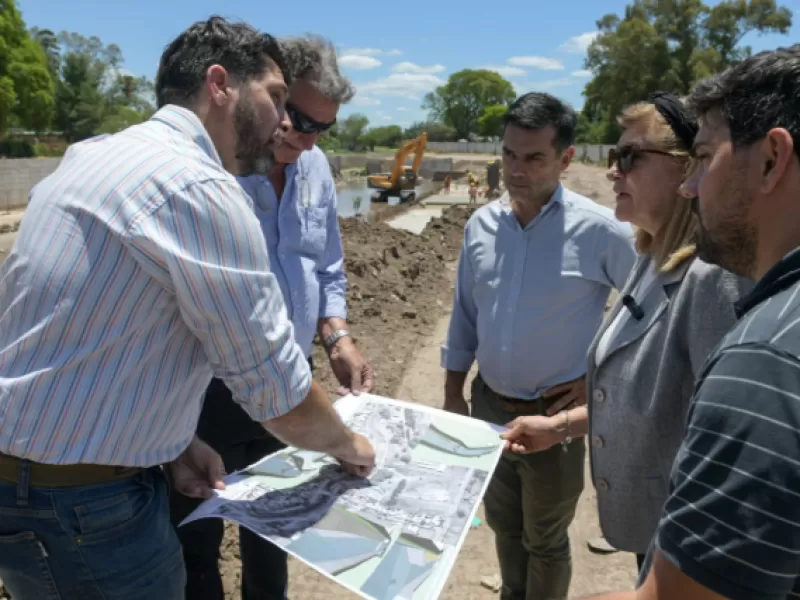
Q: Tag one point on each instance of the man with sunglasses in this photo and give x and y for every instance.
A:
(296, 206)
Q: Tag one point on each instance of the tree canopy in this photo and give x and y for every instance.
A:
(666, 45)
(461, 101)
(26, 83)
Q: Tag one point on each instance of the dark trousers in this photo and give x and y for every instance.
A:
(227, 428)
(529, 504)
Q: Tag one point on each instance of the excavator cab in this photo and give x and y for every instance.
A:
(403, 180)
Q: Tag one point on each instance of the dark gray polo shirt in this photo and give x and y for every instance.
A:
(732, 520)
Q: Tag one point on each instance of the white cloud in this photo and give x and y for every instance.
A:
(386, 119)
(537, 62)
(360, 62)
(373, 52)
(363, 100)
(582, 73)
(505, 70)
(409, 67)
(402, 108)
(578, 44)
(400, 84)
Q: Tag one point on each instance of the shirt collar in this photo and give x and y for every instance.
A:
(780, 277)
(557, 199)
(185, 121)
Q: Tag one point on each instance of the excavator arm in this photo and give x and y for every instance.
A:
(417, 146)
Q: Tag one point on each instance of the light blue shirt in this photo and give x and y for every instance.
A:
(528, 301)
(303, 242)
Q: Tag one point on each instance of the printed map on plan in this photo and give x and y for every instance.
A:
(393, 535)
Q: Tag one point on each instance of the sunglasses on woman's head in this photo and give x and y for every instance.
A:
(625, 156)
(302, 123)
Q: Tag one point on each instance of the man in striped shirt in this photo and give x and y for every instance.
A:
(140, 269)
(731, 526)
(296, 206)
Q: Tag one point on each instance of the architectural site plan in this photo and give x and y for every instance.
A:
(394, 534)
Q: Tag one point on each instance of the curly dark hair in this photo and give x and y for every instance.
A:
(242, 50)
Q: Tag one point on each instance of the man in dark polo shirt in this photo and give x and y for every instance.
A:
(731, 526)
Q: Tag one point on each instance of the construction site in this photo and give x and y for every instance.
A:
(400, 260)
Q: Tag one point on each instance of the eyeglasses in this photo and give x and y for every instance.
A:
(625, 156)
(302, 123)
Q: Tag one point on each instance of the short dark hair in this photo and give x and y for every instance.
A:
(537, 110)
(242, 50)
(754, 96)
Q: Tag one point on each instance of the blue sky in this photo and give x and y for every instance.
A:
(394, 52)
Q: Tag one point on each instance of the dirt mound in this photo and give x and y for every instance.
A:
(396, 289)
(399, 286)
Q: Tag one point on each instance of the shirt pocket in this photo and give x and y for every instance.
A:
(313, 231)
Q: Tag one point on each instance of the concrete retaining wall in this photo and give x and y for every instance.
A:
(19, 175)
(589, 152)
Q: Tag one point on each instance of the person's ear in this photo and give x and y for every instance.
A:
(775, 154)
(218, 85)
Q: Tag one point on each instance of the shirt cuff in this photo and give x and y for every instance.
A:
(332, 305)
(456, 360)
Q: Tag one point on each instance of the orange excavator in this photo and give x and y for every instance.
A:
(402, 180)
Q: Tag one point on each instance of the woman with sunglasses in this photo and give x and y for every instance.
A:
(644, 359)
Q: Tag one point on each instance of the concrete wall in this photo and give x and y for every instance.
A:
(19, 175)
(589, 152)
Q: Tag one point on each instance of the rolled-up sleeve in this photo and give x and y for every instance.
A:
(458, 351)
(206, 246)
(330, 269)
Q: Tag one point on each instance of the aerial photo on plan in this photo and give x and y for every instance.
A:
(392, 535)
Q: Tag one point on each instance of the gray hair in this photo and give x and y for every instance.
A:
(312, 58)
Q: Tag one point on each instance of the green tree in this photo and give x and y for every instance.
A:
(351, 131)
(26, 85)
(667, 45)
(462, 100)
(49, 43)
(94, 94)
(490, 123)
(437, 132)
(388, 136)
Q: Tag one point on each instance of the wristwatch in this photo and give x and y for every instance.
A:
(329, 341)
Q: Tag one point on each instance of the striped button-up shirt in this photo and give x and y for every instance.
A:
(139, 269)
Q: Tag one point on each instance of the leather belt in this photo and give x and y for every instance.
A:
(520, 406)
(42, 475)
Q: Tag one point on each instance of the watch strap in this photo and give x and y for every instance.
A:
(334, 337)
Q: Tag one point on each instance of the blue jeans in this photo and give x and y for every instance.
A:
(96, 542)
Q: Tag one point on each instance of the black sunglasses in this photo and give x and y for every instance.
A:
(625, 156)
(302, 123)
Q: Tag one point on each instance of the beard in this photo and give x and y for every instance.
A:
(732, 241)
(255, 154)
